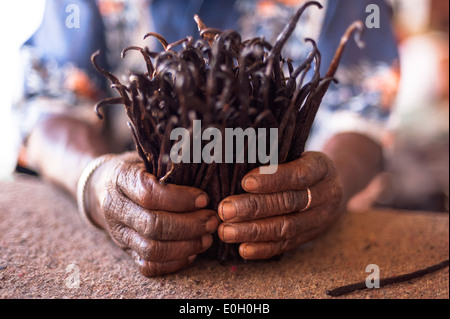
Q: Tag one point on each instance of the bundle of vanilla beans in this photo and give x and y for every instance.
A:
(225, 82)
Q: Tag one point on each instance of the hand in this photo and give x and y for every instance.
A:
(269, 220)
(164, 226)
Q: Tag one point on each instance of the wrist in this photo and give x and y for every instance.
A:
(91, 188)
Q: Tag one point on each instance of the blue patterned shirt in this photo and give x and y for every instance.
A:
(58, 75)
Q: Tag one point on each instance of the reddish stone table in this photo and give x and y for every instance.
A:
(43, 242)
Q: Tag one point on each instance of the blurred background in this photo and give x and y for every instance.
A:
(417, 158)
(417, 167)
(419, 163)
(18, 20)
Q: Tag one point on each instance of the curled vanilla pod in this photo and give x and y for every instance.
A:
(226, 82)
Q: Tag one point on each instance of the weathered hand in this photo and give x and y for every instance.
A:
(269, 220)
(164, 226)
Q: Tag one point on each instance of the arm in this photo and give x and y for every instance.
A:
(357, 159)
(129, 204)
(60, 147)
(58, 86)
(123, 199)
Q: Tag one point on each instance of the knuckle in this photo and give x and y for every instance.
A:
(334, 191)
(118, 176)
(138, 182)
(327, 165)
(251, 206)
(112, 205)
(126, 235)
(299, 176)
(314, 171)
(148, 250)
(119, 233)
(287, 201)
(249, 232)
(152, 227)
(141, 177)
(157, 251)
(113, 230)
(153, 193)
(287, 228)
(107, 205)
(133, 178)
(317, 165)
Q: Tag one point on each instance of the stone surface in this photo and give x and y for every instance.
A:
(42, 238)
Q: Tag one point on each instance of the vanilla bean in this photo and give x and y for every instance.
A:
(144, 52)
(224, 82)
(160, 38)
(110, 101)
(341, 291)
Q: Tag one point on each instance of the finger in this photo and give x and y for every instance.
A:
(266, 250)
(306, 171)
(153, 250)
(153, 269)
(145, 190)
(159, 225)
(277, 228)
(258, 206)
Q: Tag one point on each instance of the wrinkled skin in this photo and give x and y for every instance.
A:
(163, 226)
(166, 226)
(269, 220)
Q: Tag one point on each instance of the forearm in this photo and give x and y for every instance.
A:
(358, 160)
(61, 147)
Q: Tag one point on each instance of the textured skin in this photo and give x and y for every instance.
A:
(165, 226)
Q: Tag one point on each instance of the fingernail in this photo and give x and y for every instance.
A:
(211, 225)
(250, 184)
(206, 241)
(228, 211)
(229, 233)
(201, 201)
(249, 251)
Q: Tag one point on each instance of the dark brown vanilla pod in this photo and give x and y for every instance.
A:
(226, 83)
(341, 291)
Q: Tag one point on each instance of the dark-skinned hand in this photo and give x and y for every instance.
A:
(163, 226)
(269, 220)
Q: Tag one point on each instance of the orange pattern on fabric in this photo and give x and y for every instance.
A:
(79, 82)
(109, 7)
